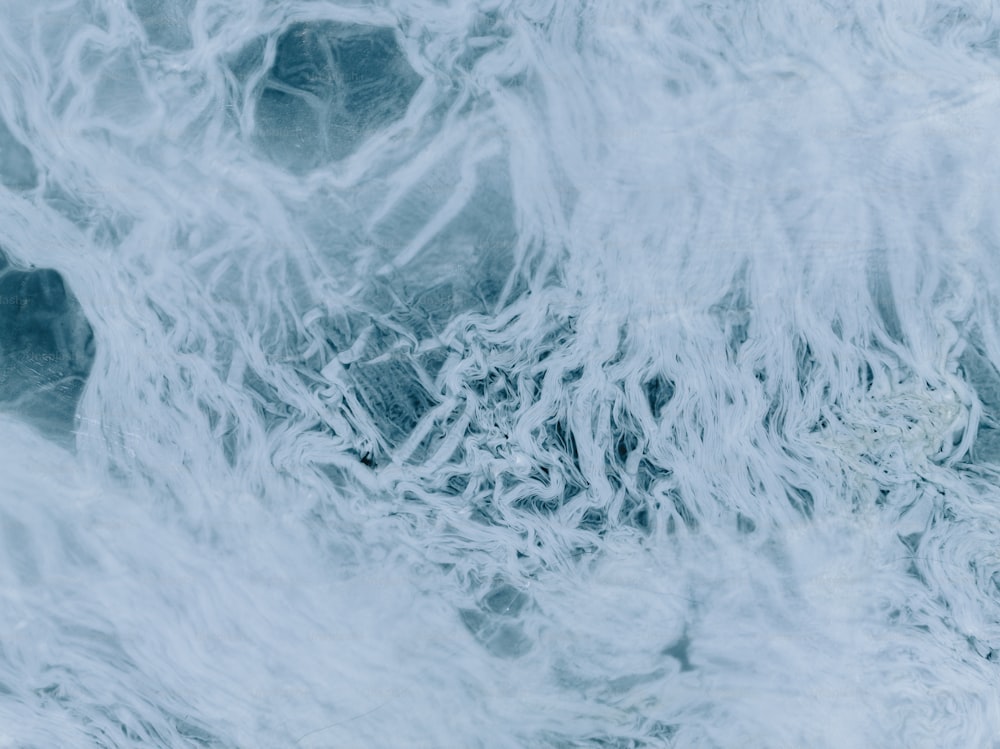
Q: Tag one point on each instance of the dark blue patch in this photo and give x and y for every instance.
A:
(504, 639)
(394, 396)
(983, 377)
(331, 86)
(46, 349)
(659, 391)
(505, 600)
(679, 651)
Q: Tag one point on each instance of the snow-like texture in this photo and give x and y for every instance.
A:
(527, 374)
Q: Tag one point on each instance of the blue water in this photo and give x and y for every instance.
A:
(539, 374)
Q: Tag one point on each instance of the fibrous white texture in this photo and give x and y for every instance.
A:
(535, 374)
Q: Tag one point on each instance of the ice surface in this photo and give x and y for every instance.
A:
(541, 374)
(395, 397)
(46, 349)
(331, 86)
(165, 21)
(17, 166)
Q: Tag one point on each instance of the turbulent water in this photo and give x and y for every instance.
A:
(526, 374)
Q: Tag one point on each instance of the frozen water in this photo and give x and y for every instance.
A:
(46, 349)
(17, 167)
(540, 374)
(330, 86)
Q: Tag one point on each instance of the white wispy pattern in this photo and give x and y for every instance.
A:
(501, 374)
